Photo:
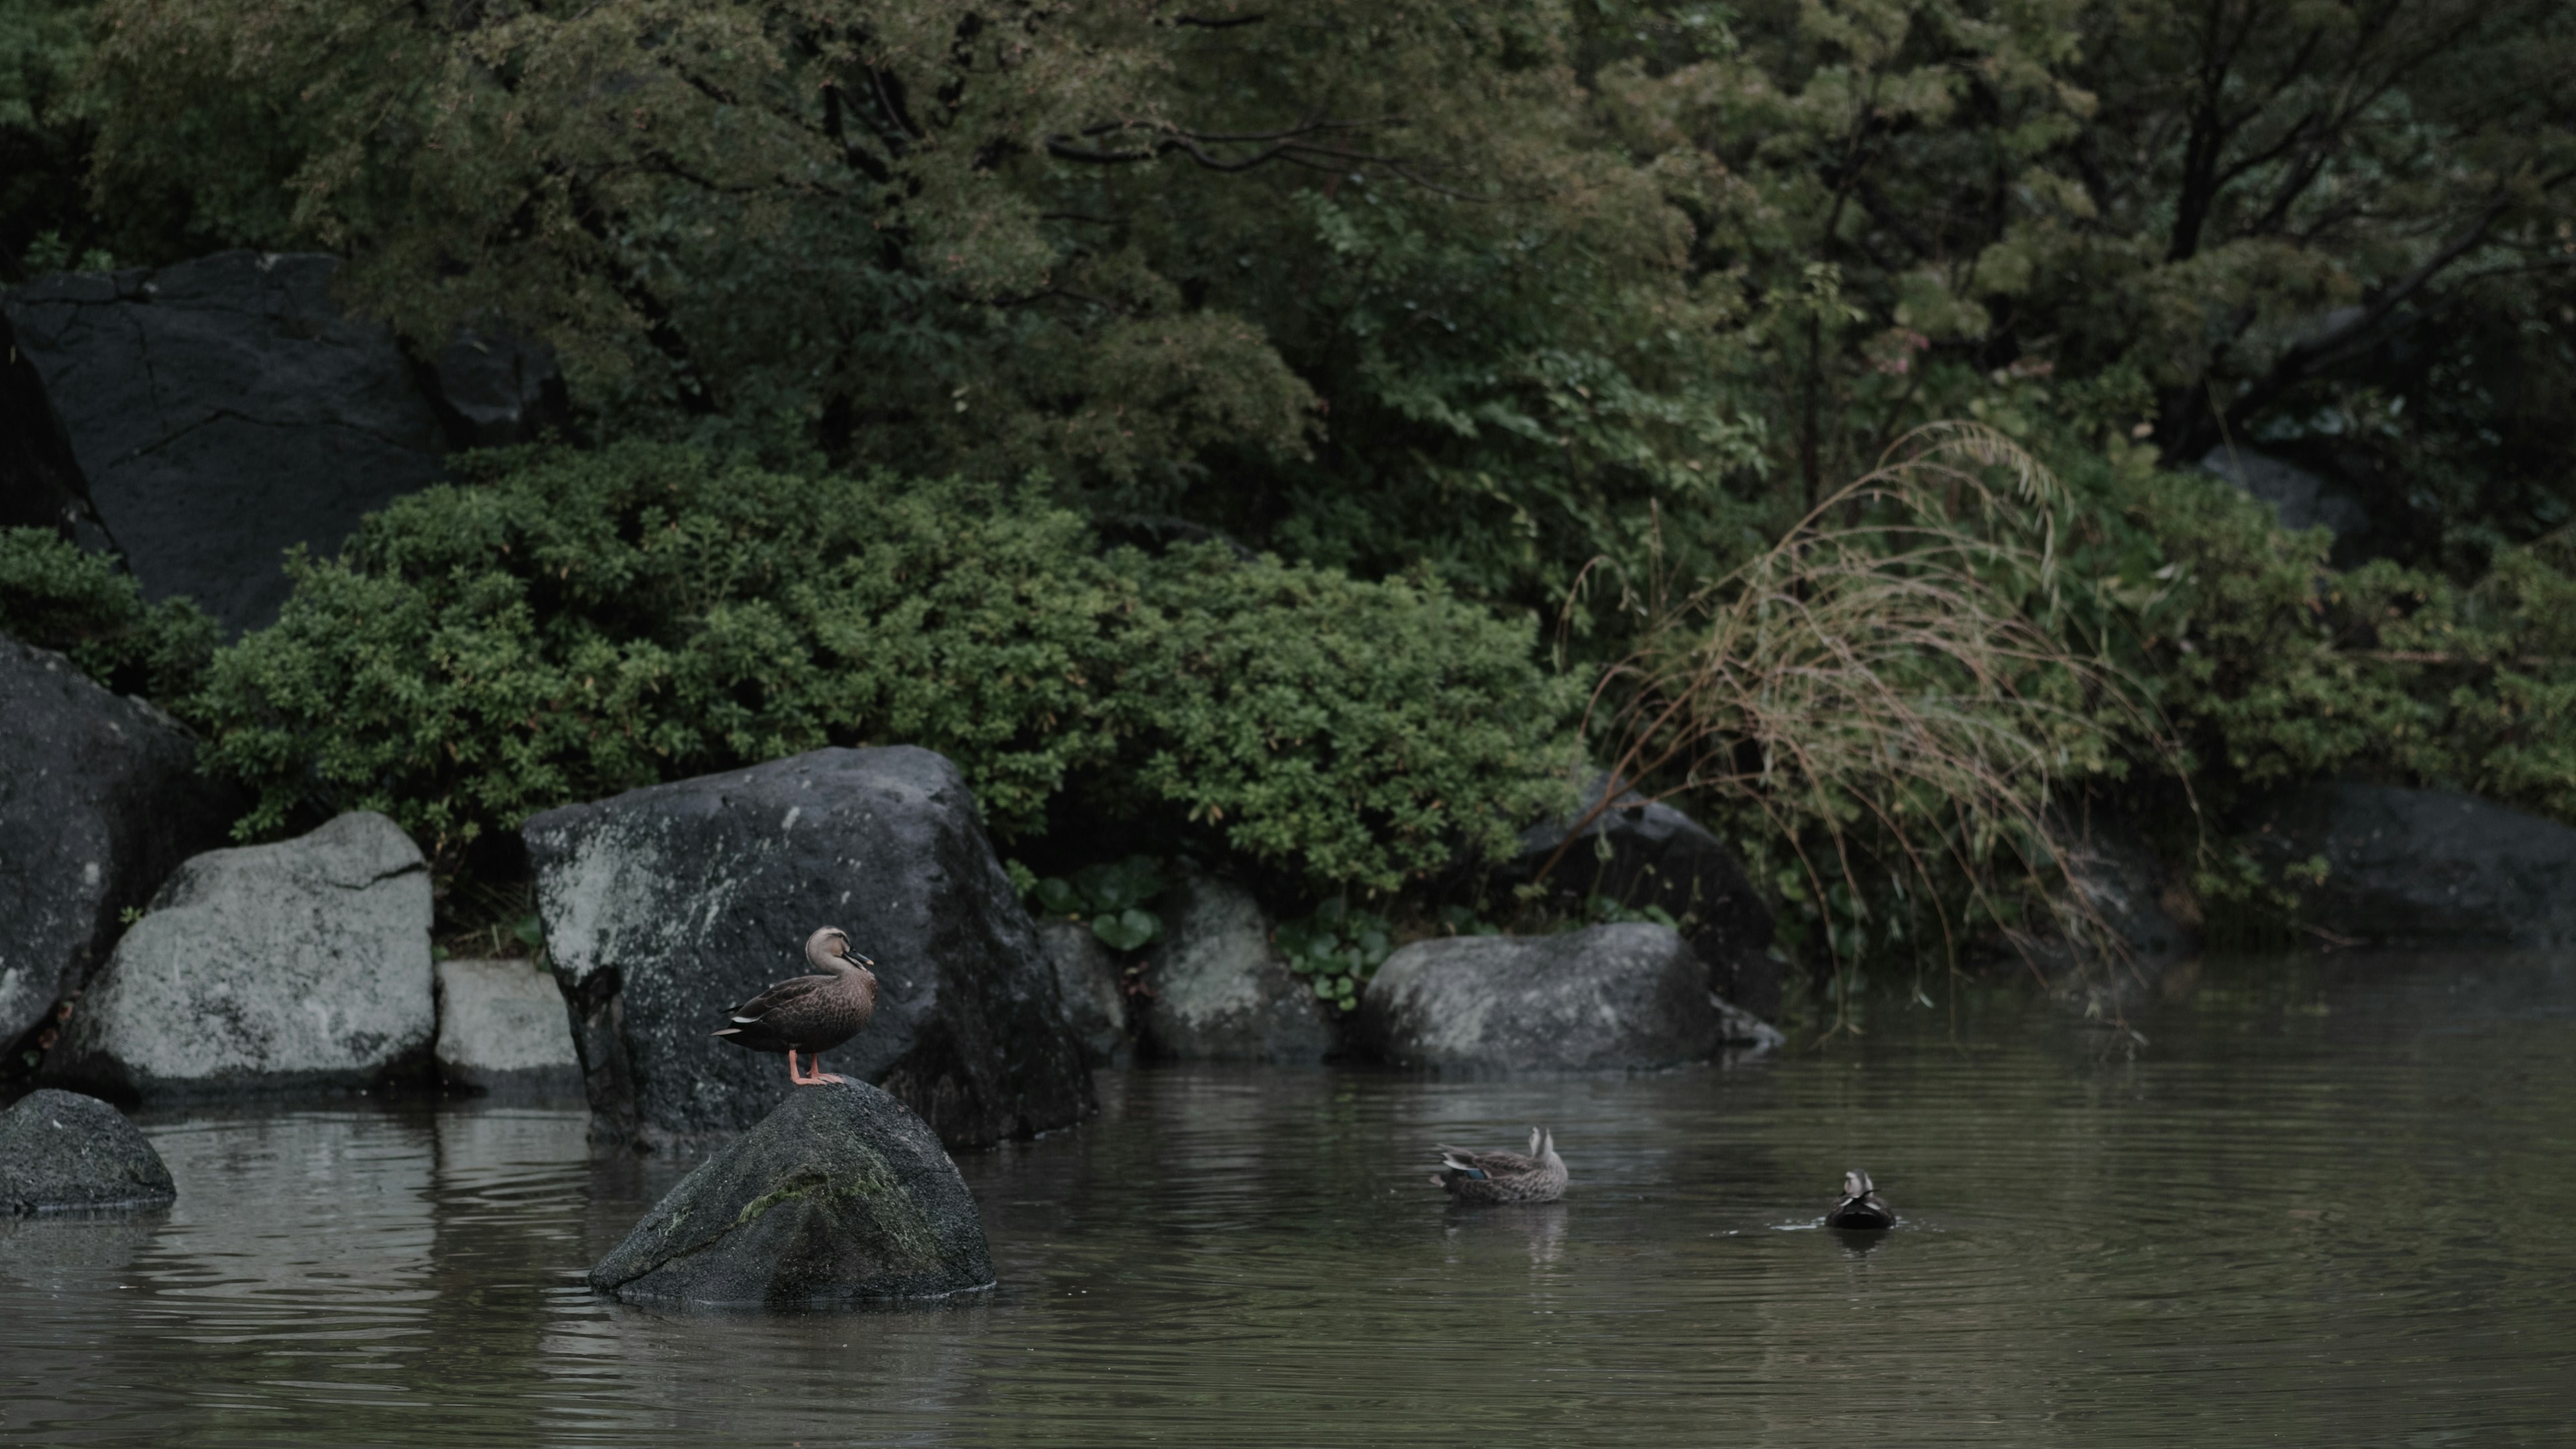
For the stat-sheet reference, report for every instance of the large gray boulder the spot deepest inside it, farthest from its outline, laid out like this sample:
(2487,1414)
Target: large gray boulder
(665,906)
(223,409)
(2432,866)
(300,966)
(99,802)
(838,1195)
(1642,854)
(1218,989)
(2302,497)
(502,1029)
(1093,986)
(63,1152)
(1630,997)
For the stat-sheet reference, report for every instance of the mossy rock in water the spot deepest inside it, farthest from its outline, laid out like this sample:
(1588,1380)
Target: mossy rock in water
(840,1195)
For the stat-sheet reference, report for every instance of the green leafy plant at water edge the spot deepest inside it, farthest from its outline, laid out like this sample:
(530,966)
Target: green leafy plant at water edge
(566,626)
(1337,949)
(1112,897)
(57,595)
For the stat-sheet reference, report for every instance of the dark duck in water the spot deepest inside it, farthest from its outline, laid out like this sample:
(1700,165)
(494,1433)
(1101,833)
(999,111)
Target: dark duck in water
(810,1014)
(1504,1176)
(1861,1206)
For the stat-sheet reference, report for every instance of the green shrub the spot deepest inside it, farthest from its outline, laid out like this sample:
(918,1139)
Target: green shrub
(2280,668)
(56,595)
(568,625)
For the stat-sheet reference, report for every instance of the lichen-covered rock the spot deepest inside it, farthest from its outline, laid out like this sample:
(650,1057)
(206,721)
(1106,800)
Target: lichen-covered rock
(1610,997)
(63,1152)
(665,906)
(1642,854)
(99,801)
(1219,989)
(1091,983)
(838,1195)
(223,409)
(2431,866)
(299,966)
(502,1028)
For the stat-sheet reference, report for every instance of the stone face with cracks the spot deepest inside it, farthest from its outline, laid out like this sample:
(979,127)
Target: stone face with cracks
(299,966)
(99,802)
(2431,866)
(223,409)
(63,1152)
(839,1195)
(665,906)
(1611,997)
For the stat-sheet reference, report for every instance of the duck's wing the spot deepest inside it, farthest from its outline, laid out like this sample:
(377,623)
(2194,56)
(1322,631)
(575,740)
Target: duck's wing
(1485,1164)
(785,993)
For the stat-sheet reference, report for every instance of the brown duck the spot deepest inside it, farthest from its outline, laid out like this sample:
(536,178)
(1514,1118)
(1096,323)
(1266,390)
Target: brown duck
(1504,1176)
(810,1014)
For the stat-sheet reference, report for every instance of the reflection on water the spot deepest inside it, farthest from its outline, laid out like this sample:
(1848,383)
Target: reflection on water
(2317,1205)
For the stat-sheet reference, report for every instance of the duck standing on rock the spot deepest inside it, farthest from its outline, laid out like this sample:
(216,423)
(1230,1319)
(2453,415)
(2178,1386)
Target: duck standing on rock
(811,1014)
(1494,1177)
(1861,1206)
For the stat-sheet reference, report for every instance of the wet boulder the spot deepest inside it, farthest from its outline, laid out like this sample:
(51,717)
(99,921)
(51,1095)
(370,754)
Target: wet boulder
(99,802)
(1640,854)
(223,409)
(667,905)
(838,1195)
(2434,866)
(1630,997)
(502,1029)
(296,967)
(63,1152)
(1093,986)
(1218,988)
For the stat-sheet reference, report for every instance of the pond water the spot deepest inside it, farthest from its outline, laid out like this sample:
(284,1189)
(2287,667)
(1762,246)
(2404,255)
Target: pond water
(2324,1201)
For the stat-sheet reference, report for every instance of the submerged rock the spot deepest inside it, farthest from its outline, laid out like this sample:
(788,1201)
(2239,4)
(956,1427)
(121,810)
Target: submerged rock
(837,1196)
(1624,996)
(299,966)
(502,1028)
(63,1152)
(664,906)
(1093,987)
(2432,866)
(1220,990)
(99,801)
(1639,855)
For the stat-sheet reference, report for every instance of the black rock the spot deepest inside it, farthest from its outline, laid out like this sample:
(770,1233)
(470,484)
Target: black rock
(667,905)
(99,802)
(1630,997)
(1220,991)
(1657,856)
(2432,866)
(494,389)
(840,1195)
(61,1151)
(40,478)
(223,409)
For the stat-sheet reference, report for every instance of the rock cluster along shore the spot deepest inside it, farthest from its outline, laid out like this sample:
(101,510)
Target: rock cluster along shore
(838,1195)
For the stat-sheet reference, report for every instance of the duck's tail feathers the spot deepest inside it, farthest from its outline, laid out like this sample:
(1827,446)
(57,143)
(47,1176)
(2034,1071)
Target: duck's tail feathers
(1454,1165)
(729,1030)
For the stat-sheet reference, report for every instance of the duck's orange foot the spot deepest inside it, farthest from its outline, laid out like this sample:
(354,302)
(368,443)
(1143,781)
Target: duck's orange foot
(831,1077)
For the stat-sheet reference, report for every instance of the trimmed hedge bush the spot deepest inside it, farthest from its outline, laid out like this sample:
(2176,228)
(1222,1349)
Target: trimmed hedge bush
(569,625)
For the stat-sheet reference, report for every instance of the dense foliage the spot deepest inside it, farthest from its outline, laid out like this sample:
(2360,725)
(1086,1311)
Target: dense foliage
(58,596)
(574,625)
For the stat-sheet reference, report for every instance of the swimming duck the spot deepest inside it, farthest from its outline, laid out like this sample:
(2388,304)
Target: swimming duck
(1861,1206)
(1504,1176)
(811,1014)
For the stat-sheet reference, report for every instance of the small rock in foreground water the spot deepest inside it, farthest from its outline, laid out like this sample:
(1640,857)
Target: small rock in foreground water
(61,1151)
(840,1195)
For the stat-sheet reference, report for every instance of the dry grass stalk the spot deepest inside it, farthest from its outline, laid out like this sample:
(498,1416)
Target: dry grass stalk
(1876,689)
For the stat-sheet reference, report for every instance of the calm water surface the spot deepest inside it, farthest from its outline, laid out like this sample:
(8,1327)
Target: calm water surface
(2325,1202)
